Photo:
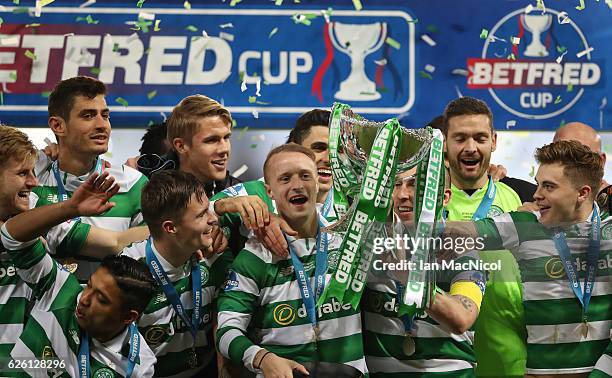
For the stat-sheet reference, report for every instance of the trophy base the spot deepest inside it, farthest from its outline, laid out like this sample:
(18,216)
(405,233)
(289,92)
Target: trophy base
(535,53)
(352,95)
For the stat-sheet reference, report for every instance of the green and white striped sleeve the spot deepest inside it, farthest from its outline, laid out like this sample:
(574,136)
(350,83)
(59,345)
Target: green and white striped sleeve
(237,303)
(507,230)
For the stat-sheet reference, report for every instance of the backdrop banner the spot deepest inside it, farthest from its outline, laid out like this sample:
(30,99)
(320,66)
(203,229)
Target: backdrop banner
(536,65)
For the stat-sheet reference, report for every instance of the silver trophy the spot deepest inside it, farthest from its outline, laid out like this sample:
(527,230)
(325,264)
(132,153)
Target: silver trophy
(536,25)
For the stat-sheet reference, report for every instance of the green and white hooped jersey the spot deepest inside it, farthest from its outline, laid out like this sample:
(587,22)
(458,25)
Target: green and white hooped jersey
(603,367)
(15,294)
(125,214)
(555,335)
(165,332)
(261,307)
(52,330)
(437,351)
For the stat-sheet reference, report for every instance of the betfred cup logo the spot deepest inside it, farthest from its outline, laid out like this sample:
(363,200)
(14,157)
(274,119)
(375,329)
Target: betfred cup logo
(357,41)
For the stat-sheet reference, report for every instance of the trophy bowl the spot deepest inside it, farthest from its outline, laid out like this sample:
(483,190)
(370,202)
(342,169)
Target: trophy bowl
(358,136)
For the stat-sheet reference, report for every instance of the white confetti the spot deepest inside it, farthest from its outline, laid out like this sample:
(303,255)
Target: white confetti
(204,34)
(559,59)
(460,72)
(516,40)
(37,9)
(255,114)
(243,85)
(428,40)
(258,86)
(563,18)
(381,62)
(87,3)
(132,38)
(240,171)
(10,41)
(510,124)
(228,25)
(528,9)
(459,94)
(585,52)
(146,16)
(163,115)
(604,102)
(493,38)
(325,16)
(429,68)
(226,36)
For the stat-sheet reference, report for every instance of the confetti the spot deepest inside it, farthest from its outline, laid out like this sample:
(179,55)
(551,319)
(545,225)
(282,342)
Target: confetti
(584,52)
(516,40)
(146,16)
(563,18)
(484,33)
(252,99)
(259,137)
(226,36)
(32,25)
(87,3)
(532,173)
(234,2)
(258,87)
(570,87)
(425,75)
(228,25)
(13,76)
(278,3)
(303,18)
(187,5)
(560,58)
(561,49)
(511,57)
(604,102)
(156,27)
(581,6)
(151,94)
(95,70)
(30,54)
(327,14)
(243,86)
(357,4)
(460,72)
(121,100)
(115,47)
(427,39)
(381,62)
(139,5)
(558,99)
(393,43)
(255,114)
(46,94)
(254,145)
(540,5)
(429,68)
(191,28)
(510,124)
(238,172)
(274,31)
(528,9)
(242,132)
(20,10)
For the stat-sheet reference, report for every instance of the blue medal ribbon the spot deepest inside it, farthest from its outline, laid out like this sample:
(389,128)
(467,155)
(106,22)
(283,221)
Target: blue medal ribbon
(308,297)
(487,201)
(327,205)
(406,319)
(166,285)
(62,195)
(84,353)
(592,253)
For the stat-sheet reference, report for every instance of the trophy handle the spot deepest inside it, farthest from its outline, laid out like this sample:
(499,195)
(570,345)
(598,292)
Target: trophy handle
(332,36)
(383,37)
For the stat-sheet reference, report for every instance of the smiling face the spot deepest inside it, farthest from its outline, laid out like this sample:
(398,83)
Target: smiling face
(469,145)
(291,180)
(193,230)
(87,130)
(557,197)
(403,195)
(207,154)
(16,181)
(316,141)
(100,308)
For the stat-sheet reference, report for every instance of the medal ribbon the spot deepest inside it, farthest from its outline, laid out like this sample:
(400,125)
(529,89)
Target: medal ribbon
(84,353)
(487,201)
(166,285)
(592,253)
(308,297)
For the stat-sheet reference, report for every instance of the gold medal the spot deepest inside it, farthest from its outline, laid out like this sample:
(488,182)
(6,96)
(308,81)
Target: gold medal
(408,345)
(585,329)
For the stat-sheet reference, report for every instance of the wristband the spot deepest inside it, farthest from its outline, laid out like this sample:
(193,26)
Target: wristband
(262,358)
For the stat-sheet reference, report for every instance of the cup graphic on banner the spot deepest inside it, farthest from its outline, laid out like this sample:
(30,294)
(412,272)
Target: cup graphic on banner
(536,25)
(357,41)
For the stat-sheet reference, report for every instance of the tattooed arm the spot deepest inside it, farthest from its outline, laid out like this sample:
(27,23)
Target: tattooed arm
(455,312)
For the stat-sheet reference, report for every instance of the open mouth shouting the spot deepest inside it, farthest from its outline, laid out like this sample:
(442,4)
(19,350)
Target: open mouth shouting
(325,175)
(298,200)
